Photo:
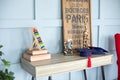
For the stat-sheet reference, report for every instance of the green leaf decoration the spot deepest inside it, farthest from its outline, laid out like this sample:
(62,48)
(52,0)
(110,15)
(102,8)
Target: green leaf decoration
(5,62)
(11,73)
(6,75)
(1,53)
(1,46)
(6,71)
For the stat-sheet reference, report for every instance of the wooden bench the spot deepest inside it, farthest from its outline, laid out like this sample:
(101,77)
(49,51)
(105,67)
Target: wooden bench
(61,64)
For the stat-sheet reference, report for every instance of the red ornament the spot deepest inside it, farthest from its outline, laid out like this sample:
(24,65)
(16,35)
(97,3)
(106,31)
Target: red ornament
(35,30)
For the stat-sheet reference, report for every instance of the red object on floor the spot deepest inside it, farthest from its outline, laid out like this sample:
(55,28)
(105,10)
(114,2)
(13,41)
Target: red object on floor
(117,44)
(89,62)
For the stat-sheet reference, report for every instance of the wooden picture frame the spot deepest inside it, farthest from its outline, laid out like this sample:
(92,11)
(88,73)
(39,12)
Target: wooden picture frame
(76,24)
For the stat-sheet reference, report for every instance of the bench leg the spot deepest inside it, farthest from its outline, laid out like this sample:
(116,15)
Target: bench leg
(85,74)
(33,78)
(103,72)
(50,78)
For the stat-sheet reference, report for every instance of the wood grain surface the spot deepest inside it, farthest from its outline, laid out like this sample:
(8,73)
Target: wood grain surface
(61,64)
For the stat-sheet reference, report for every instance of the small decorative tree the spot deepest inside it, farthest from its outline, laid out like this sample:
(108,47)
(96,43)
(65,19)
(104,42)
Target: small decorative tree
(5,74)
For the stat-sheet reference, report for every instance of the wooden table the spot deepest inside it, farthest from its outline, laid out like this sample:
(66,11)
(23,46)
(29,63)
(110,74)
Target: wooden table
(61,64)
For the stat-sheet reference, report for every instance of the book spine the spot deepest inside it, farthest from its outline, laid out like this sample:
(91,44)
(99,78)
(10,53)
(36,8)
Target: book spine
(37,52)
(36,57)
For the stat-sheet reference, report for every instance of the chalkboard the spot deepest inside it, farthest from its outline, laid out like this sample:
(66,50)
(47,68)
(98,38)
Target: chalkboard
(77,23)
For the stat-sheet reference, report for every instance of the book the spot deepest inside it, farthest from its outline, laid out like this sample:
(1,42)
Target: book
(36,57)
(36,52)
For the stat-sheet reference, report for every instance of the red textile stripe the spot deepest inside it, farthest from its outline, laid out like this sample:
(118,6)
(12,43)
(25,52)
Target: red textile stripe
(117,44)
(89,62)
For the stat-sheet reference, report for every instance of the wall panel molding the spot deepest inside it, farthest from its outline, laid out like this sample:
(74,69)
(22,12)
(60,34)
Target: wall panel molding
(50,23)
(16,9)
(106,37)
(30,23)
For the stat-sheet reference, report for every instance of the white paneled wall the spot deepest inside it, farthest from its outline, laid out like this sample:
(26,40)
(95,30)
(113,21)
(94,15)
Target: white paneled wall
(110,9)
(17,16)
(16,9)
(48,9)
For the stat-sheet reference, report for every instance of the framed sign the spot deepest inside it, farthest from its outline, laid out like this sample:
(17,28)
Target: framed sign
(76,24)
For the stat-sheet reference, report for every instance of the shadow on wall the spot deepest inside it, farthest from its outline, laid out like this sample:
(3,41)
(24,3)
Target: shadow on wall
(111,43)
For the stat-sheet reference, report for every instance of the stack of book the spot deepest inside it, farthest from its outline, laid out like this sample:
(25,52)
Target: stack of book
(36,55)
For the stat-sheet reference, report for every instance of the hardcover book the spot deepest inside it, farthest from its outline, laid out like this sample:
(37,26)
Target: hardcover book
(36,57)
(36,51)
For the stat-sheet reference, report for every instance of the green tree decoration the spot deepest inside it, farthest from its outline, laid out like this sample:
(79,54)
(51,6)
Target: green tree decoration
(5,74)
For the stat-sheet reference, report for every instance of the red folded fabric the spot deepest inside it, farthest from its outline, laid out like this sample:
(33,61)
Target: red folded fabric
(117,44)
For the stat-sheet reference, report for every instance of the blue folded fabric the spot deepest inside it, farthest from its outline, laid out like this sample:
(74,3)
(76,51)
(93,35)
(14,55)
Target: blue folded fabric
(98,50)
(85,52)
